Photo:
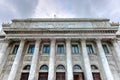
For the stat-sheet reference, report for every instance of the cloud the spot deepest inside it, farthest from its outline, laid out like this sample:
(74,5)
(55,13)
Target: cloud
(79,8)
(10,9)
(49,8)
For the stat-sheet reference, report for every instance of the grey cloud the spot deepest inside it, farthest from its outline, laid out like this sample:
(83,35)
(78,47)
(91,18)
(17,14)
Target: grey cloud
(10,9)
(24,7)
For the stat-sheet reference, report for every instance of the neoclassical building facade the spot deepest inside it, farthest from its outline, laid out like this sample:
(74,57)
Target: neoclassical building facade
(59,49)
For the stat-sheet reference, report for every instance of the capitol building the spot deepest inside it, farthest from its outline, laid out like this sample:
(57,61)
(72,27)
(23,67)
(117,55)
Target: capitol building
(60,49)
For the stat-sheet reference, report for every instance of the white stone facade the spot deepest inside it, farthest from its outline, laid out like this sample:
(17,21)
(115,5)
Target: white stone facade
(91,44)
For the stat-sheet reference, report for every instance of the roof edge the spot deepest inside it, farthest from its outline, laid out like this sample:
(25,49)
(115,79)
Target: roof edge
(58,19)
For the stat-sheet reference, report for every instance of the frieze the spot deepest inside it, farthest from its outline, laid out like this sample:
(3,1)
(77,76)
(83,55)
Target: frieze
(60,25)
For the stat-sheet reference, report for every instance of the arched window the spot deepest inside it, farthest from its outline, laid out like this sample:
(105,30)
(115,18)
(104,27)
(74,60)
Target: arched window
(94,67)
(44,67)
(60,67)
(76,67)
(27,67)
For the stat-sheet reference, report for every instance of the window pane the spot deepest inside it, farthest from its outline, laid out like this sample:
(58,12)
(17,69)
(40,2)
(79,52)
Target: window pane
(46,49)
(75,49)
(27,67)
(105,48)
(60,67)
(15,49)
(44,67)
(89,48)
(31,49)
(76,67)
(60,49)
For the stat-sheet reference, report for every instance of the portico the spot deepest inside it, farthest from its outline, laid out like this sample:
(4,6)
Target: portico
(59,53)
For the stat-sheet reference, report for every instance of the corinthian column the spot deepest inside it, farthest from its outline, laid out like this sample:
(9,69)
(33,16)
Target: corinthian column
(34,65)
(3,54)
(69,60)
(51,71)
(16,62)
(87,67)
(103,59)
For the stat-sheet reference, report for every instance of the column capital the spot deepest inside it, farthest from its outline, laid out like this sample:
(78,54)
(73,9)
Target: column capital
(22,40)
(68,39)
(83,39)
(38,40)
(98,39)
(53,39)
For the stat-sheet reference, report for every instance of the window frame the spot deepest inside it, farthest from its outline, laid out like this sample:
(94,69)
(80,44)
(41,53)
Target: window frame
(93,48)
(40,70)
(57,48)
(14,47)
(96,69)
(107,48)
(60,66)
(43,48)
(28,48)
(43,66)
(78,45)
(26,66)
(77,70)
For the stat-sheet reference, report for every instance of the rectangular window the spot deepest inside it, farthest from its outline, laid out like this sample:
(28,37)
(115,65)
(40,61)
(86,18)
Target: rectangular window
(60,49)
(15,49)
(105,48)
(46,48)
(75,49)
(89,49)
(31,49)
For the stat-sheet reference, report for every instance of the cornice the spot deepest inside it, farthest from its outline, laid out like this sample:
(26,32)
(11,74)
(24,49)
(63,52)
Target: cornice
(59,19)
(59,36)
(88,31)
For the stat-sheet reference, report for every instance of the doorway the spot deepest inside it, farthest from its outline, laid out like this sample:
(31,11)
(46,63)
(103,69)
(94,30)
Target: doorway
(96,76)
(24,76)
(60,76)
(78,76)
(43,76)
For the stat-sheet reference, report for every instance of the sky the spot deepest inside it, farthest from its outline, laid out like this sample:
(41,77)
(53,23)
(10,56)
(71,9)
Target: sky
(12,9)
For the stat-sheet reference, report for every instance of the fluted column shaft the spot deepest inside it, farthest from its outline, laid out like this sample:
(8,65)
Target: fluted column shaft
(117,48)
(104,61)
(51,71)
(69,60)
(87,67)
(34,64)
(16,62)
(3,54)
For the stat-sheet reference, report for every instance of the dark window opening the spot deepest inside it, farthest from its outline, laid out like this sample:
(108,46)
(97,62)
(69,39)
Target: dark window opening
(60,49)
(89,49)
(31,49)
(46,49)
(75,49)
(15,49)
